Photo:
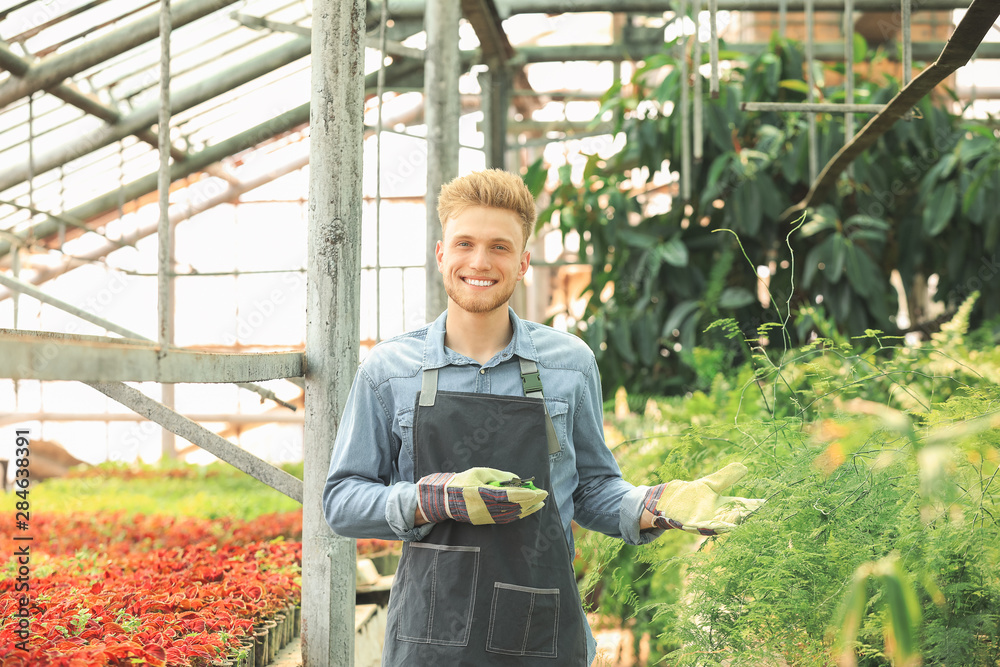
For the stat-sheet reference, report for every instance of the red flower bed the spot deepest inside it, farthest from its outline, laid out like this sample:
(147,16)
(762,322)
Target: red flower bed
(163,590)
(121,533)
(177,606)
(116,589)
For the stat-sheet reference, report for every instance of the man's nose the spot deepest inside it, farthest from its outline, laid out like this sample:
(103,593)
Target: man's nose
(480,258)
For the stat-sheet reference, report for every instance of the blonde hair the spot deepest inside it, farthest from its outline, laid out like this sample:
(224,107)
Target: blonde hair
(493,188)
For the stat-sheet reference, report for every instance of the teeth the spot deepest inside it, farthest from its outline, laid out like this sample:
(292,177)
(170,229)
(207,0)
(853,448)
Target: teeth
(479,283)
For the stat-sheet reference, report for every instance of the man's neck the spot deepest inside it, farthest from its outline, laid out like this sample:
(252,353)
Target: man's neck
(479,336)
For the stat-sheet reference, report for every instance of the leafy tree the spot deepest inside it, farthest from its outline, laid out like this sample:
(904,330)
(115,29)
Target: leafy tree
(925,200)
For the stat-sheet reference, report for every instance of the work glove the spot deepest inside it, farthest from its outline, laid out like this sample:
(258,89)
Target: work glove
(479,496)
(697,507)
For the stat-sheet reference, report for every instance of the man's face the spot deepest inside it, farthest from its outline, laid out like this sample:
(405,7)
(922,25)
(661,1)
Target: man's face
(481,259)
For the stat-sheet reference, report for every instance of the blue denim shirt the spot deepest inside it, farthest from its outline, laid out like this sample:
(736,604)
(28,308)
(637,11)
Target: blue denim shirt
(370,490)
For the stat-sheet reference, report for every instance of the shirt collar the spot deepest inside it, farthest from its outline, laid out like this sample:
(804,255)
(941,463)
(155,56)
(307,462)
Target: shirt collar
(435,355)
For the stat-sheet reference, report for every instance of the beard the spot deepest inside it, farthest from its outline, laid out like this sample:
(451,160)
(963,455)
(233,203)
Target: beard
(471,302)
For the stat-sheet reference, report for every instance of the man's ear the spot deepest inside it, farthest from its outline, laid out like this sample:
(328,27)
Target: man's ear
(525,262)
(439,254)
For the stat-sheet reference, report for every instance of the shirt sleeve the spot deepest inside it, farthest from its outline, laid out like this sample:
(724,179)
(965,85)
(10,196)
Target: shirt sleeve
(363,497)
(603,501)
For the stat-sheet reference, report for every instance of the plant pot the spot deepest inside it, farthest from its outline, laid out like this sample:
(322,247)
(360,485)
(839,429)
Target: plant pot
(279,618)
(290,621)
(260,640)
(249,646)
(272,640)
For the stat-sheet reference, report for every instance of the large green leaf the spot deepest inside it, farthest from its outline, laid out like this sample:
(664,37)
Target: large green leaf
(863,274)
(791,168)
(811,265)
(678,316)
(797,85)
(636,238)
(838,257)
(667,90)
(535,176)
(860,48)
(621,336)
(940,208)
(772,200)
(673,252)
(823,219)
(719,125)
(736,297)
(867,228)
(647,338)
(747,213)
(904,609)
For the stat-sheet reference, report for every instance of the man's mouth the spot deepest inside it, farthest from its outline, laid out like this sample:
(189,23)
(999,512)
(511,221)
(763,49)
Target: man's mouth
(479,283)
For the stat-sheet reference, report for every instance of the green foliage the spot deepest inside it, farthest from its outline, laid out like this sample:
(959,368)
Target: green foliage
(213,491)
(879,540)
(925,200)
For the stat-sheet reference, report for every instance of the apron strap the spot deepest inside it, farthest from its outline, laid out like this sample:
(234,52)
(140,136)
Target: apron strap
(530,380)
(532,389)
(532,384)
(428,387)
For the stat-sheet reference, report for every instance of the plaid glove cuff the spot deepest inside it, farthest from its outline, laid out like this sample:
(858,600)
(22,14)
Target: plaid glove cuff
(433,497)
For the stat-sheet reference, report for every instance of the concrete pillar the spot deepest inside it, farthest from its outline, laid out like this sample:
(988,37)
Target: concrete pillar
(332,316)
(442,109)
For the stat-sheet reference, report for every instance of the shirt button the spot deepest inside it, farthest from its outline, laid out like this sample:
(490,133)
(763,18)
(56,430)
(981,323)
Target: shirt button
(482,371)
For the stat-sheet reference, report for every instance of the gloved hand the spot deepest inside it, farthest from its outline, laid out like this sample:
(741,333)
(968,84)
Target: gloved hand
(469,497)
(697,507)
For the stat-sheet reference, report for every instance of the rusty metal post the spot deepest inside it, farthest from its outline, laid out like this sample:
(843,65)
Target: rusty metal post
(441,110)
(333,309)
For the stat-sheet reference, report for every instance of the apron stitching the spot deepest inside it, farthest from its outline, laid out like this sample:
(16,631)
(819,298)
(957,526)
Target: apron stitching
(430,614)
(527,628)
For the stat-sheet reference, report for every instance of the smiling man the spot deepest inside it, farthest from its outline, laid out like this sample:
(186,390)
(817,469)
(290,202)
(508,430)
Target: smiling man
(477,440)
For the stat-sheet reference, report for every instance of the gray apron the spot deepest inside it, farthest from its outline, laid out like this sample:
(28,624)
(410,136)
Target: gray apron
(486,595)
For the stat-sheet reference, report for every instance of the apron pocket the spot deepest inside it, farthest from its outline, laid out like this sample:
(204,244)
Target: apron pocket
(438,591)
(524,621)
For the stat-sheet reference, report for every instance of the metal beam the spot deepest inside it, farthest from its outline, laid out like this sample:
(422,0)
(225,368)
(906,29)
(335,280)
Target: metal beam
(196,434)
(814,107)
(485,20)
(41,355)
(32,291)
(147,184)
(496,103)
(333,307)
(86,103)
(496,51)
(177,214)
(242,419)
(963,44)
(146,116)
(258,23)
(441,111)
(829,51)
(410,9)
(57,68)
